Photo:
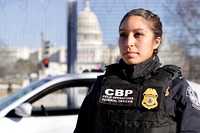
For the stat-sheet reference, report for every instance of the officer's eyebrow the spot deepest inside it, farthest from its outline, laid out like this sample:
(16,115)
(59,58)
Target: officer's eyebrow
(138,29)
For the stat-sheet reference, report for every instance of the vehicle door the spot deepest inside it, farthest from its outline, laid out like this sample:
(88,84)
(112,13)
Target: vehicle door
(54,110)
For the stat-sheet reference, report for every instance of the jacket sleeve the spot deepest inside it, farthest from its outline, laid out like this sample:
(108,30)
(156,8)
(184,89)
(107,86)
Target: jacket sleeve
(188,109)
(87,111)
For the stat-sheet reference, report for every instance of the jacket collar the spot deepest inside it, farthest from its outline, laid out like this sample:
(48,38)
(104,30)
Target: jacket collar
(141,69)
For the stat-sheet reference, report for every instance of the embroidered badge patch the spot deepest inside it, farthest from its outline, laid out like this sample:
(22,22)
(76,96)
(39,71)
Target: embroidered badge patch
(150,98)
(193,97)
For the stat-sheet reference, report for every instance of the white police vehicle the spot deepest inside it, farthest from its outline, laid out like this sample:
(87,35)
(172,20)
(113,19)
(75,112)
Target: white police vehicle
(46,106)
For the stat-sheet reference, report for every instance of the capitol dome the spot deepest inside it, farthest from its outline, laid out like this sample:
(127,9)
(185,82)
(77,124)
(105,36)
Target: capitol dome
(89,31)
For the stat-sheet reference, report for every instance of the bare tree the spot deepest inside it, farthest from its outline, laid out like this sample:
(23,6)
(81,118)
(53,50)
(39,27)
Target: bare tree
(189,14)
(24,67)
(3,59)
(183,18)
(10,68)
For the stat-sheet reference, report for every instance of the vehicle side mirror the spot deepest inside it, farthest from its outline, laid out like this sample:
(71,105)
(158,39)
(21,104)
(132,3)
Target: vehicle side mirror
(24,110)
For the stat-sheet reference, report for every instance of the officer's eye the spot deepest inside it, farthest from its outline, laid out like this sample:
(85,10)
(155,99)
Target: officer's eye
(137,34)
(123,35)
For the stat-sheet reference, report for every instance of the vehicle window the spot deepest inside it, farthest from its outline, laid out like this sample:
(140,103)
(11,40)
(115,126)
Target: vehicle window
(12,98)
(57,102)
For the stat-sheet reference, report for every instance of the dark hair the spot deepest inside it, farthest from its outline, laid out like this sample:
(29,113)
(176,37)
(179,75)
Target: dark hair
(156,24)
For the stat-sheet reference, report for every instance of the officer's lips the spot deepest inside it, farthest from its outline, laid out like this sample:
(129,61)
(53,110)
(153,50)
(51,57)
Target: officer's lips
(130,53)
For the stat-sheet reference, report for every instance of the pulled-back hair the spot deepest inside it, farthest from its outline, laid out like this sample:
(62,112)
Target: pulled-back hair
(155,23)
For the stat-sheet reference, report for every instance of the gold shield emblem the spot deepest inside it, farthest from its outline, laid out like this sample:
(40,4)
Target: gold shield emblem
(150,98)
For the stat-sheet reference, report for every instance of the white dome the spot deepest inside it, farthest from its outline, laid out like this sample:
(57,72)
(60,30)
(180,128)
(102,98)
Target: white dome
(89,31)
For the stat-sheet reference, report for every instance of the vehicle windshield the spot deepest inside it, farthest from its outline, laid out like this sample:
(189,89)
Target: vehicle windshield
(13,97)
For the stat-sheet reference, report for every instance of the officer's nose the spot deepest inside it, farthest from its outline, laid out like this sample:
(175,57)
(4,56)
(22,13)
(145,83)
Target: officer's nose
(130,40)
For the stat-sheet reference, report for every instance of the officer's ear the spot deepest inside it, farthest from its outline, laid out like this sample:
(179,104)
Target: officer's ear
(157,42)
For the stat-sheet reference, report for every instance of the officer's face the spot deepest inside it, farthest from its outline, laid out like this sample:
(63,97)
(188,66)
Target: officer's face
(136,40)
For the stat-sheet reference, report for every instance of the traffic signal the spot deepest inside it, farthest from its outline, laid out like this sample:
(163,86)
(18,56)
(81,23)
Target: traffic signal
(46,62)
(46,48)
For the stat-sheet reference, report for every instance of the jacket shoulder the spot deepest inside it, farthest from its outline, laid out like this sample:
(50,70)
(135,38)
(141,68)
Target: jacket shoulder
(172,70)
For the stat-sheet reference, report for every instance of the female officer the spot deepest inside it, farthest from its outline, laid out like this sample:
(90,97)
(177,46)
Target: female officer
(138,95)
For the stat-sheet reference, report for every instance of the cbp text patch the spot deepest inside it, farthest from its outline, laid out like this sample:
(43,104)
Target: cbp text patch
(116,96)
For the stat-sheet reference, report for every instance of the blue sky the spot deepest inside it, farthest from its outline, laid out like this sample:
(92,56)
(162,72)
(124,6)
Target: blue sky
(22,21)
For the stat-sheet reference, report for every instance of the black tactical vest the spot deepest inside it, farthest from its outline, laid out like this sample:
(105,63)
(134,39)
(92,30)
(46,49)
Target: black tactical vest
(124,107)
